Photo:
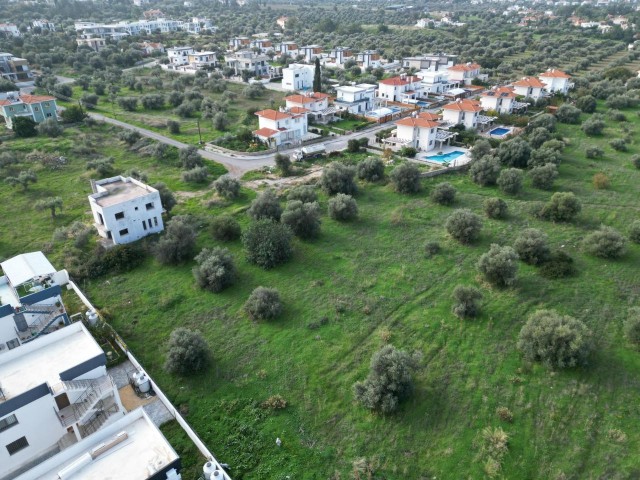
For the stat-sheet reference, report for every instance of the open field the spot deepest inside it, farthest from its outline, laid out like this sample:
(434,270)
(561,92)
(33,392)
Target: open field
(368,282)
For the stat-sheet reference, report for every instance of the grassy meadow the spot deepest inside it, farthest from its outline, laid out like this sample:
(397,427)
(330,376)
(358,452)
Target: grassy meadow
(367,283)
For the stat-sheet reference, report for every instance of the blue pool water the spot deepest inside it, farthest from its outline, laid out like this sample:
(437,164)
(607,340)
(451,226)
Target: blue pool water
(395,109)
(447,157)
(499,131)
(422,104)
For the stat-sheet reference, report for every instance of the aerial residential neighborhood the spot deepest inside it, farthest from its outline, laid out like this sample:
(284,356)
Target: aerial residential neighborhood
(366,240)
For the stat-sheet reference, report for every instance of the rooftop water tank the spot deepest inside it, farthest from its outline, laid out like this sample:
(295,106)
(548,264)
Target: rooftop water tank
(92,317)
(142,381)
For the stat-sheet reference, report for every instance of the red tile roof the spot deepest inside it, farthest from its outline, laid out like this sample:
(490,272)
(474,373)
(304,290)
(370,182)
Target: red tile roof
(529,82)
(464,106)
(273,114)
(417,122)
(429,116)
(504,92)
(298,110)
(29,99)
(265,132)
(303,99)
(399,81)
(553,73)
(464,67)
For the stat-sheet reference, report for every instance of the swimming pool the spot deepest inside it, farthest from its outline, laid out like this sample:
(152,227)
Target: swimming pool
(423,104)
(445,157)
(500,131)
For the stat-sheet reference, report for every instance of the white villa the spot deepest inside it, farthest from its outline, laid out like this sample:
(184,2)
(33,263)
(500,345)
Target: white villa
(369,58)
(356,99)
(262,44)
(400,89)
(289,48)
(463,112)
(556,81)
(179,56)
(529,87)
(338,56)
(281,128)
(125,209)
(298,76)
(316,105)
(436,82)
(464,73)
(500,99)
(311,52)
(429,62)
(256,63)
(239,43)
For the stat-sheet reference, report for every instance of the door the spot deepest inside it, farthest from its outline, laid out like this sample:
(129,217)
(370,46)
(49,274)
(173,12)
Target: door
(62,401)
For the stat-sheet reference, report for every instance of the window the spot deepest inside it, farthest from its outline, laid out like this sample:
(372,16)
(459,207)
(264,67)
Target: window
(15,447)
(144,224)
(48,114)
(8,422)
(119,215)
(37,109)
(149,206)
(124,231)
(155,221)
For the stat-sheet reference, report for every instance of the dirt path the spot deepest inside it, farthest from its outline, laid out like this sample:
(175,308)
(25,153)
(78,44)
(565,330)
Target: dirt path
(280,183)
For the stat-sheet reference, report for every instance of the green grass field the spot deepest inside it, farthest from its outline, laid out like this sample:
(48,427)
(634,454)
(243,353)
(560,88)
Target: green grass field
(370,282)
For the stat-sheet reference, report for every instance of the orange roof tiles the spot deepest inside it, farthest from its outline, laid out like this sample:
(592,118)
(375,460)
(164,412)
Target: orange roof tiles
(429,116)
(464,106)
(464,67)
(272,114)
(303,99)
(553,73)
(399,81)
(29,99)
(417,122)
(298,110)
(529,82)
(265,132)
(500,92)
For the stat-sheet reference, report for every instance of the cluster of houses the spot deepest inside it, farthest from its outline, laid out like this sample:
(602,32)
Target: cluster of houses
(14,68)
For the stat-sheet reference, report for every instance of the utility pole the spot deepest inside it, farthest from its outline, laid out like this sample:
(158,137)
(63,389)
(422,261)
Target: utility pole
(199,134)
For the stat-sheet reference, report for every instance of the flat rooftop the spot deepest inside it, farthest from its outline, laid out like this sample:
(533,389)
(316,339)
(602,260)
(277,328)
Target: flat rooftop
(118,191)
(43,359)
(136,454)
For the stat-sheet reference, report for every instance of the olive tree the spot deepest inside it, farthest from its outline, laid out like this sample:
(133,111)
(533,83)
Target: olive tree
(443,194)
(485,170)
(187,352)
(263,304)
(562,207)
(466,301)
(532,246)
(464,225)
(510,180)
(177,243)
(266,205)
(215,269)
(267,243)
(304,193)
(228,187)
(343,207)
(606,243)
(371,169)
(499,265)
(302,218)
(225,228)
(544,176)
(338,178)
(495,208)
(405,178)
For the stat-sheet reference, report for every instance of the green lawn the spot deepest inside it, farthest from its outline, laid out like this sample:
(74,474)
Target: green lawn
(369,282)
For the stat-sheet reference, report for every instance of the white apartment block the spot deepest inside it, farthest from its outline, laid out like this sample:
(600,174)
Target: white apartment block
(556,81)
(123,29)
(44,25)
(125,209)
(281,128)
(464,73)
(255,63)
(429,62)
(289,48)
(356,99)
(54,392)
(311,52)
(400,89)
(94,43)
(30,300)
(9,30)
(298,76)
(179,56)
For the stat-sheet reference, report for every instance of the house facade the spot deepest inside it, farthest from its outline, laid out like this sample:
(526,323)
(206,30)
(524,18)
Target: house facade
(556,81)
(179,55)
(400,89)
(462,112)
(37,107)
(94,43)
(289,48)
(338,56)
(529,87)
(419,133)
(255,63)
(125,209)
(9,30)
(436,82)
(499,99)
(311,52)
(262,45)
(298,76)
(316,105)
(239,43)
(200,60)
(355,99)
(464,73)
(281,128)
(369,59)
(429,62)
(13,68)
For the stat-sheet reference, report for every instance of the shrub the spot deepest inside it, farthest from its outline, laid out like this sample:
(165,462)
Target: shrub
(514,153)
(567,113)
(267,243)
(167,198)
(634,232)
(601,181)
(464,225)
(499,265)
(173,126)
(618,144)
(24,127)
(605,243)
(274,402)
(389,381)
(543,156)
(371,169)
(563,207)
(593,126)
(504,414)
(152,101)
(538,136)
(408,152)
(431,248)
(635,160)
(227,187)
(225,228)
(343,207)
(510,180)
(190,158)
(546,121)
(263,304)
(443,194)
(177,243)
(353,146)
(466,301)
(338,178)
(405,178)
(266,205)
(532,246)
(187,352)
(485,171)
(482,148)
(196,175)
(128,103)
(616,115)
(593,151)
(23,179)
(543,177)
(50,127)
(560,265)
(587,104)
(72,114)
(215,269)
(304,193)
(302,218)
(495,208)
(554,340)
(283,162)
(632,326)
(553,144)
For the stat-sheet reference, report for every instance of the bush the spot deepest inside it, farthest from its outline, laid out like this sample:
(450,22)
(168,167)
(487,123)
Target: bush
(605,243)
(532,246)
(563,207)
(443,194)
(464,225)
(343,208)
(510,180)
(227,187)
(102,166)
(406,178)
(302,218)
(546,121)
(499,265)
(466,301)
(593,151)
(152,101)
(632,326)
(129,136)
(616,115)
(618,144)
(554,340)
(560,265)
(225,228)
(634,232)
(593,126)
(635,160)
(431,248)
(389,380)
(117,259)
(190,158)
(538,136)
(167,198)
(267,243)
(128,103)
(495,208)
(50,127)
(304,193)
(266,205)
(338,178)
(601,181)
(187,352)
(24,127)
(353,146)
(485,171)
(567,113)
(371,169)
(543,156)
(543,177)
(196,175)
(283,163)
(274,402)
(263,304)
(215,269)
(587,104)
(177,243)
(514,153)
(173,126)
(408,152)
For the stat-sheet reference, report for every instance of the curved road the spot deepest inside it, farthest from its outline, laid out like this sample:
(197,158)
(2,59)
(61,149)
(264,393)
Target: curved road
(238,164)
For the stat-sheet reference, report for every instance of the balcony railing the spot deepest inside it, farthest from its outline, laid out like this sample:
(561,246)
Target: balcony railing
(90,398)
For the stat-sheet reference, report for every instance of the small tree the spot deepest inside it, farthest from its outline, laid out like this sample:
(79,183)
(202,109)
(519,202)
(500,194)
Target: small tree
(173,126)
(563,207)
(390,380)
(283,163)
(73,114)
(466,301)
(405,178)
(227,187)
(353,146)
(568,114)
(632,326)
(618,144)
(178,242)
(593,126)
(443,194)
(510,180)
(23,179)
(371,169)
(587,104)
(190,158)
(225,228)
(317,77)
(634,232)
(187,352)
(167,198)
(304,193)
(482,148)
(485,171)
(605,243)
(343,207)
(24,127)
(196,175)
(51,128)
(302,218)
(338,178)
(554,340)
(495,208)
(532,246)
(593,151)
(263,304)
(215,269)
(267,243)
(543,177)
(499,265)
(464,225)
(128,103)
(266,205)
(152,101)
(543,156)
(51,203)
(514,153)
